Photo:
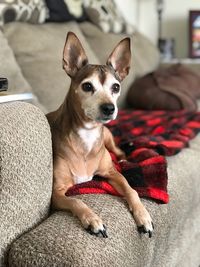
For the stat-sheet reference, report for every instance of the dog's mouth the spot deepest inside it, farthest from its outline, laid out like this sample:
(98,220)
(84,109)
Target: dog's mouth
(107,112)
(100,116)
(105,119)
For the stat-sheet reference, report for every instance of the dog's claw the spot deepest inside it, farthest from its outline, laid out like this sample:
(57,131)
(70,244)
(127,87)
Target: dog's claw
(100,232)
(150,233)
(142,230)
(104,234)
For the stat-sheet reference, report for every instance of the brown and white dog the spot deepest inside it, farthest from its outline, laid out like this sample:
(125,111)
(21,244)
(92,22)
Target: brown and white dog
(81,142)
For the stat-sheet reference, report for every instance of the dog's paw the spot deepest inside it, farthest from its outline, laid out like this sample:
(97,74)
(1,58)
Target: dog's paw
(94,225)
(143,221)
(98,232)
(146,230)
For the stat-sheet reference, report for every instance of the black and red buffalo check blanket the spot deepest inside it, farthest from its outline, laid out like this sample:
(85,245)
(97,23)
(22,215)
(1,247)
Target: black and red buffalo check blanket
(147,137)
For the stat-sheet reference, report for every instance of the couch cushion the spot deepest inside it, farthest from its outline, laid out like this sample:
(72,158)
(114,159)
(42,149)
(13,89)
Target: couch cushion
(25,170)
(10,69)
(61,241)
(145,56)
(38,50)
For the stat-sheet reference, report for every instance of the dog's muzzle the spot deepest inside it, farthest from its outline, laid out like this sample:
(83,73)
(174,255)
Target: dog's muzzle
(107,109)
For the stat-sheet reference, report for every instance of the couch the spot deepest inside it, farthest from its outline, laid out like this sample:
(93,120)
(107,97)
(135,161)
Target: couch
(31,234)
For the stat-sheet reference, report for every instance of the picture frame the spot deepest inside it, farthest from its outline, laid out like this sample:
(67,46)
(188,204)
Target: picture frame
(194,33)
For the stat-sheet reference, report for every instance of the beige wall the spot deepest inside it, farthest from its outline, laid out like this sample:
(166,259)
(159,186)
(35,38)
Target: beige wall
(175,19)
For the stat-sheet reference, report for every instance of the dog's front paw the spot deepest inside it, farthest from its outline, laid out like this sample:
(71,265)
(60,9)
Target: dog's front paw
(143,220)
(94,225)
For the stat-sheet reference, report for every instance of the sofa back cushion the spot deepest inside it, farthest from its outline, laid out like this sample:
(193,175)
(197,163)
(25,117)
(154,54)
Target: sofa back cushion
(10,69)
(38,50)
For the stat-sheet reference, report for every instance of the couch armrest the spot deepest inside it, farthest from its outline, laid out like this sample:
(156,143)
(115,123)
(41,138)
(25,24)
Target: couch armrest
(25,170)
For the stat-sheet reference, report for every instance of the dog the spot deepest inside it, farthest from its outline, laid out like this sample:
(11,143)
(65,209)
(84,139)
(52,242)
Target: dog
(81,142)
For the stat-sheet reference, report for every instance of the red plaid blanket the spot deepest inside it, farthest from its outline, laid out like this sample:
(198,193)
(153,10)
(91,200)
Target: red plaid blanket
(146,137)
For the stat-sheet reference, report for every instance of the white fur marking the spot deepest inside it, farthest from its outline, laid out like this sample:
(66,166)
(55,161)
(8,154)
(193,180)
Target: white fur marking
(91,103)
(89,136)
(82,179)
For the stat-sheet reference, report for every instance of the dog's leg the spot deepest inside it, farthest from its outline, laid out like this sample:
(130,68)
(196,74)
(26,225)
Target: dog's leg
(111,146)
(60,201)
(88,218)
(118,181)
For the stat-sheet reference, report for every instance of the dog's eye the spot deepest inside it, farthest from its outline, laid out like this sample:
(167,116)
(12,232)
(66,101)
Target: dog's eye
(87,87)
(115,88)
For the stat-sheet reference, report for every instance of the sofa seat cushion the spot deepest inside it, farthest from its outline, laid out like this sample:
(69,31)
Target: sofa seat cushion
(61,240)
(38,50)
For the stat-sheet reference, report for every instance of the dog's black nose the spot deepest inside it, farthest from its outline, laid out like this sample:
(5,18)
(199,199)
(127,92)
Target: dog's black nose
(107,109)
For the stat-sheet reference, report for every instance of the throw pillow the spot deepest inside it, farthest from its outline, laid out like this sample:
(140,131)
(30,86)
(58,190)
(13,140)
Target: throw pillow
(33,11)
(173,88)
(107,16)
(65,10)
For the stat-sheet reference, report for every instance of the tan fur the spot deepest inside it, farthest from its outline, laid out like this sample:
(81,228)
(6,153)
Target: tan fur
(73,159)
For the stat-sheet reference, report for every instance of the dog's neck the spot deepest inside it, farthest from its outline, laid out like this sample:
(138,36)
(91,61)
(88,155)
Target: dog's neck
(90,135)
(73,124)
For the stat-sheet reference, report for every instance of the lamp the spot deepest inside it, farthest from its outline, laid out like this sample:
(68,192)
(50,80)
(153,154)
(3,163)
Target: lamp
(166,46)
(160,7)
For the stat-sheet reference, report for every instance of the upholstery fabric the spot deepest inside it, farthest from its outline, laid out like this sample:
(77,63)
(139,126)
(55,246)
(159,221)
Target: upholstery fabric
(10,69)
(41,62)
(61,241)
(25,171)
(33,11)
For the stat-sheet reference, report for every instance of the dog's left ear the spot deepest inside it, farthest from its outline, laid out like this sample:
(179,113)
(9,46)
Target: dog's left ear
(120,58)
(74,56)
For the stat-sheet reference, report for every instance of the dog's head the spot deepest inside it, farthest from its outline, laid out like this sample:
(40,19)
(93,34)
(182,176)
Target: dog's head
(97,87)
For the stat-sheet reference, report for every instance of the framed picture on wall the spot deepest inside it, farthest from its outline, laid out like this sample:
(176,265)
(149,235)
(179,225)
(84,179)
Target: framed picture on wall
(194,34)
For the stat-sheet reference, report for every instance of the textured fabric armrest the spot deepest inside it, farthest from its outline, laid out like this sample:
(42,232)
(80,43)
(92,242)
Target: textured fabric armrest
(25,171)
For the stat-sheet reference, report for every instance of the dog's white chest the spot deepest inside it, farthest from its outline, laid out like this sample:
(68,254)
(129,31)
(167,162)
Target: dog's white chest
(82,179)
(89,137)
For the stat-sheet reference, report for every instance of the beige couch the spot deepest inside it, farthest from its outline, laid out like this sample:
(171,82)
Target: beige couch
(30,236)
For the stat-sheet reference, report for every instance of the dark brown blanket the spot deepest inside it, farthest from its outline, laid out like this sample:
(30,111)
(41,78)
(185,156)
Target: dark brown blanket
(173,88)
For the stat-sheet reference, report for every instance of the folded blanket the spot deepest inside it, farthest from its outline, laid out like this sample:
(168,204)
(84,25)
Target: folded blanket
(146,137)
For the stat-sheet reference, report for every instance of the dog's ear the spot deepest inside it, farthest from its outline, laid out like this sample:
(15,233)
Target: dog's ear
(74,57)
(120,58)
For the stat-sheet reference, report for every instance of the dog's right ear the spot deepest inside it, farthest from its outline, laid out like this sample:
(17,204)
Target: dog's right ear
(74,56)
